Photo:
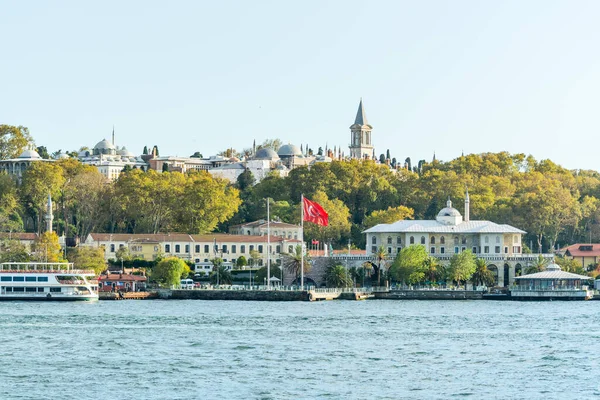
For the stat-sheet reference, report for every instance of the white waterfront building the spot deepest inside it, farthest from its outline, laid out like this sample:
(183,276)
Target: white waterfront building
(499,244)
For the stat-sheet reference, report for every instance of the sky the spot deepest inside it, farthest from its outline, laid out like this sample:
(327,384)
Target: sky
(435,76)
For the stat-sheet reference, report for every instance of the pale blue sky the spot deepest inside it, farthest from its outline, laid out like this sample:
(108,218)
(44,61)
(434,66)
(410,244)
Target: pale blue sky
(443,76)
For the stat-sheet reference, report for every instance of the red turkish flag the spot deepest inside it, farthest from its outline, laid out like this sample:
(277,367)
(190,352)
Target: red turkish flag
(313,212)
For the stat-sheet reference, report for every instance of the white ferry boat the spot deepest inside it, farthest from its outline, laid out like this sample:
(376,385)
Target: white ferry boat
(45,281)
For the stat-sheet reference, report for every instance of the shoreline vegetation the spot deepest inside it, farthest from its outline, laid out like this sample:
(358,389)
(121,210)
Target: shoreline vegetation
(555,206)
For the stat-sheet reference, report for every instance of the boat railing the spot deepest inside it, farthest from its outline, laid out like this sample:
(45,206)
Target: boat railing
(48,268)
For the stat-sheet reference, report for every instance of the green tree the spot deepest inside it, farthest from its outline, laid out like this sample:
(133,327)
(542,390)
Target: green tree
(261,274)
(10,220)
(197,154)
(220,275)
(462,266)
(39,180)
(434,271)
(241,262)
(482,275)
(339,220)
(392,214)
(538,265)
(245,180)
(165,167)
(43,152)
(410,266)
(380,262)
(47,249)
(336,276)
(13,251)
(169,271)
(254,257)
(87,258)
(292,262)
(13,141)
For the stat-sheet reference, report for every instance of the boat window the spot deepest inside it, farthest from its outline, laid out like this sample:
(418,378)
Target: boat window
(40,289)
(6,279)
(31,289)
(42,279)
(55,290)
(8,289)
(18,289)
(30,279)
(18,279)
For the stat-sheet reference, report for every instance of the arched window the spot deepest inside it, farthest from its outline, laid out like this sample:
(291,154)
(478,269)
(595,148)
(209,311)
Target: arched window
(433,240)
(412,240)
(398,240)
(487,239)
(389,240)
(374,240)
(463,240)
(455,240)
(497,239)
(422,239)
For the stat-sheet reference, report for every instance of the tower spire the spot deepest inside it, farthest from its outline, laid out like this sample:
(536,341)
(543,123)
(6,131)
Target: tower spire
(361,117)
(113,135)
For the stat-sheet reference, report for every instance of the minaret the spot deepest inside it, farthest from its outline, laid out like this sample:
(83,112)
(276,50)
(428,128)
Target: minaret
(361,146)
(467,206)
(113,136)
(49,216)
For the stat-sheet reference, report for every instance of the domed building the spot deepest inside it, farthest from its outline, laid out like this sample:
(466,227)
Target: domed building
(111,160)
(266,154)
(17,166)
(499,244)
(291,156)
(104,147)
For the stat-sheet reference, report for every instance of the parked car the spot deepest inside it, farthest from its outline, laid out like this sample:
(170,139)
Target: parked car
(187,284)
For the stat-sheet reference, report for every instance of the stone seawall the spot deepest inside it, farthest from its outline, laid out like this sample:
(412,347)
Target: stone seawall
(248,295)
(429,295)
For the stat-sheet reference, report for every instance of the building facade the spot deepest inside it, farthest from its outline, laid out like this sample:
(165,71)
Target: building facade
(499,244)
(259,228)
(194,248)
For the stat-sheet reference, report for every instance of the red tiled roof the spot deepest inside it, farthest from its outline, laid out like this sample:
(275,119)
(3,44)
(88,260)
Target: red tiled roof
(583,250)
(184,237)
(18,235)
(321,253)
(122,277)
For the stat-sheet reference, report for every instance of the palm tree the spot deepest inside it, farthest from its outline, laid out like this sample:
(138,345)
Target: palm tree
(433,269)
(482,276)
(292,261)
(538,265)
(380,256)
(336,276)
(221,276)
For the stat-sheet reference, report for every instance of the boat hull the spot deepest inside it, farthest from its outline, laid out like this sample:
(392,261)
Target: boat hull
(49,298)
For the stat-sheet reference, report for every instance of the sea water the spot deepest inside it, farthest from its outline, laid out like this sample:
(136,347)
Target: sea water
(373,349)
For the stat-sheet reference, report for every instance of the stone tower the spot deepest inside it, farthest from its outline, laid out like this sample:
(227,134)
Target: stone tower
(361,146)
(49,215)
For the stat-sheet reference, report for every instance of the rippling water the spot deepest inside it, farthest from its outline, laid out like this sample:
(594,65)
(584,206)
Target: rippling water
(268,350)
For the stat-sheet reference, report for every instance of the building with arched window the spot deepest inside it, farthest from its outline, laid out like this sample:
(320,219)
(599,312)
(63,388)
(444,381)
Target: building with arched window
(499,244)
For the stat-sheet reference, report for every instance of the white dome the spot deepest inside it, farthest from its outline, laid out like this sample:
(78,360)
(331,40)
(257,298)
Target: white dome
(288,150)
(61,156)
(125,152)
(449,211)
(104,144)
(31,154)
(266,154)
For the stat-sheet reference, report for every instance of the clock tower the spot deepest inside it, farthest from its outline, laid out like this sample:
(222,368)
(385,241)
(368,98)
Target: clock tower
(361,146)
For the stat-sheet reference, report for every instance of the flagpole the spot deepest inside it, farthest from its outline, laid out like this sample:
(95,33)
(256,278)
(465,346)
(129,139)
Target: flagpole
(268,247)
(302,241)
